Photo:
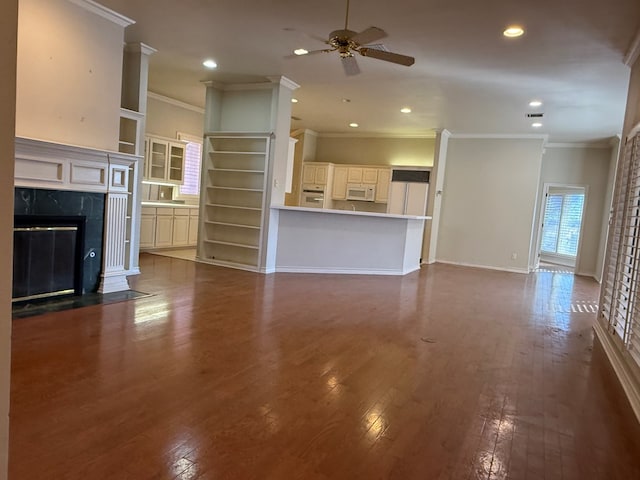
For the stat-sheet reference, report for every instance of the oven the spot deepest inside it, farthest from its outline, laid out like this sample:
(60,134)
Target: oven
(312,196)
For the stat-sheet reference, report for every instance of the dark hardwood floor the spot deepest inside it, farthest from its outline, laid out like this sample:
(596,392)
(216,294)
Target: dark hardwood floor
(447,373)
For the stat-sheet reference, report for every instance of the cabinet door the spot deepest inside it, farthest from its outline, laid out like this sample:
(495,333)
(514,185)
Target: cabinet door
(382,186)
(158,162)
(176,163)
(147,231)
(354,175)
(397,198)
(339,191)
(321,175)
(180,230)
(193,230)
(370,175)
(145,166)
(308,174)
(164,231)
(416,198)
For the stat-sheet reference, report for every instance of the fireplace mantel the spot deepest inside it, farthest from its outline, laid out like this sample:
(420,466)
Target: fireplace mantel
(55,166)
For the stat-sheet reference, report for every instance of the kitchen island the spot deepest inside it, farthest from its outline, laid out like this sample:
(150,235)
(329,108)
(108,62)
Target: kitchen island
(315,240)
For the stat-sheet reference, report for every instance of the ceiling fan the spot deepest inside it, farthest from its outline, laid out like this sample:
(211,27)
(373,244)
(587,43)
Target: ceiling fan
(347,42)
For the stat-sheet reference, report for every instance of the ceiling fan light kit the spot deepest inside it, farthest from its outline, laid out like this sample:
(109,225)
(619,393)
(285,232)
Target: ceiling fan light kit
(347,42)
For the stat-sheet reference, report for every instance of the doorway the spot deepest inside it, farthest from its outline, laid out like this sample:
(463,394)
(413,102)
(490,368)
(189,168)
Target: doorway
(561,225)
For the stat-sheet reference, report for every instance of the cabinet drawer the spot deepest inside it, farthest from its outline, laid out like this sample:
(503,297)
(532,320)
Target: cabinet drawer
(164,211)
(148,211)
(194,212)
(181,212)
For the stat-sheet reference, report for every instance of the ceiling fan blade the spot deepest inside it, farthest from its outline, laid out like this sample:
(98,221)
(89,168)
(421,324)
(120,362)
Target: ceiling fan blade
(387,56)
(350,65)
(312,52)
(369,35)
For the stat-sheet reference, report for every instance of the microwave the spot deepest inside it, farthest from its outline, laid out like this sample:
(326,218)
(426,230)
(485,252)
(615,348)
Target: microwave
(365,193)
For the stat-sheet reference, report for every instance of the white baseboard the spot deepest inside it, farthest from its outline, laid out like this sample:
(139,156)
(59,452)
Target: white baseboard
(628,380)
(487,267)
(342,271)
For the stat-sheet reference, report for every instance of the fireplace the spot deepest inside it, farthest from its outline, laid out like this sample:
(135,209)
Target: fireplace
(32,206)
(47,256)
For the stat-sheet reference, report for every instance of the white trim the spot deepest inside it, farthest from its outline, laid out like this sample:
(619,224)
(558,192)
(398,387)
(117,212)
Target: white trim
(284,81)
(104,12)
(139,47)
(634,51)
(376,135)
(174,102)
(633,132)
(627,379)
(503,136)
(578,145)
(487,267)
(188,137)
(343,271)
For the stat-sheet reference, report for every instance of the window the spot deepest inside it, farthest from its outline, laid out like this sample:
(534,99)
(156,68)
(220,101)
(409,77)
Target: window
(561,224)
(192,165)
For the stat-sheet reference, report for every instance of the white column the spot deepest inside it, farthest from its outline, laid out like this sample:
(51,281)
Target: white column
(436,184)
(115,238)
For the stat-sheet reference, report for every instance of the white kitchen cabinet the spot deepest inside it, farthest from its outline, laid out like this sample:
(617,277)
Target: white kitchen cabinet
(164,160)
(362,175)
(148,228)
(315,174)
(382,185)
(340,176)
(180,236)
(164,227)
(193,226)
(408,198)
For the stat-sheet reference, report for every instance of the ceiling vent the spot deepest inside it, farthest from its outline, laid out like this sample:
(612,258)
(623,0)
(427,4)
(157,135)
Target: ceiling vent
(535,115)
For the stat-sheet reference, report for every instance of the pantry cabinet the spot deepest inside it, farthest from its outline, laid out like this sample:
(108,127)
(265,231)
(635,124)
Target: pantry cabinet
(340,177)
(382,185)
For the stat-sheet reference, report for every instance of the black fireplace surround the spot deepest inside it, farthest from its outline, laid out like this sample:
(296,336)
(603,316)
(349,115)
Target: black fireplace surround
(74,208)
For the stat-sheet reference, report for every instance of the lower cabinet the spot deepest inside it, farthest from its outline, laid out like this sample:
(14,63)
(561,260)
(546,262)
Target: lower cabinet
(164,227)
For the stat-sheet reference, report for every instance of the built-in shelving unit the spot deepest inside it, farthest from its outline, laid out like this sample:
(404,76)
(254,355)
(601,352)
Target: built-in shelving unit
(233,199)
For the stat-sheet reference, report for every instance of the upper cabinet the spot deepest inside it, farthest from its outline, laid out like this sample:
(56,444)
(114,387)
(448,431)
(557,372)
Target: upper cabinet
(164,160)
(340,180)
(315,174)
(382,185)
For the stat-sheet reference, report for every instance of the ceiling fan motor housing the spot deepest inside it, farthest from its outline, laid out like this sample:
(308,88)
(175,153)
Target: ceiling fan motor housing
(341,41)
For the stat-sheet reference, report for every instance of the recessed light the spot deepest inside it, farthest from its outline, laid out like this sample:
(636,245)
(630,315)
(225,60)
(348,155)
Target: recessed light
(513,31)
(535,103)
(536,125)
(405,110)
(354,125)
(294,100)
(345,100)
(210,63)
(300,51)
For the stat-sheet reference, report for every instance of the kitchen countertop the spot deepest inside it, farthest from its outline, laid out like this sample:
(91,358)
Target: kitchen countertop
(169,204)
(350,212)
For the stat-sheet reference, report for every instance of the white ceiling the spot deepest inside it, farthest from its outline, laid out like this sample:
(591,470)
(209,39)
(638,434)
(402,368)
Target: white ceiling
(467,77)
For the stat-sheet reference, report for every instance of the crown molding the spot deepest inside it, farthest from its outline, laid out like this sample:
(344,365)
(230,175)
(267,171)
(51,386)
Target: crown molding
(501,136)
(443,132)
(633,52)
(104,12)
(139,47)
(430,135)
(174,102)
(284,81)
(578,145)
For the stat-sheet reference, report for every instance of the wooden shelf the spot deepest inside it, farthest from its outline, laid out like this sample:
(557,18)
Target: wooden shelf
(233,199)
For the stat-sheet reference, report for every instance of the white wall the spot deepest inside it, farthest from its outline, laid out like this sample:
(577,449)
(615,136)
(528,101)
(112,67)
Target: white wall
(584,167)
(8,36)
(632,115)
(167,119)
(376,150)
(246,110)
(488,202)
(69,74)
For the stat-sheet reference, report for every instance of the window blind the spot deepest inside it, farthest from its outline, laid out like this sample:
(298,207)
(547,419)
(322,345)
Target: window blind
(620,297)
(561,224)
(193,154)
